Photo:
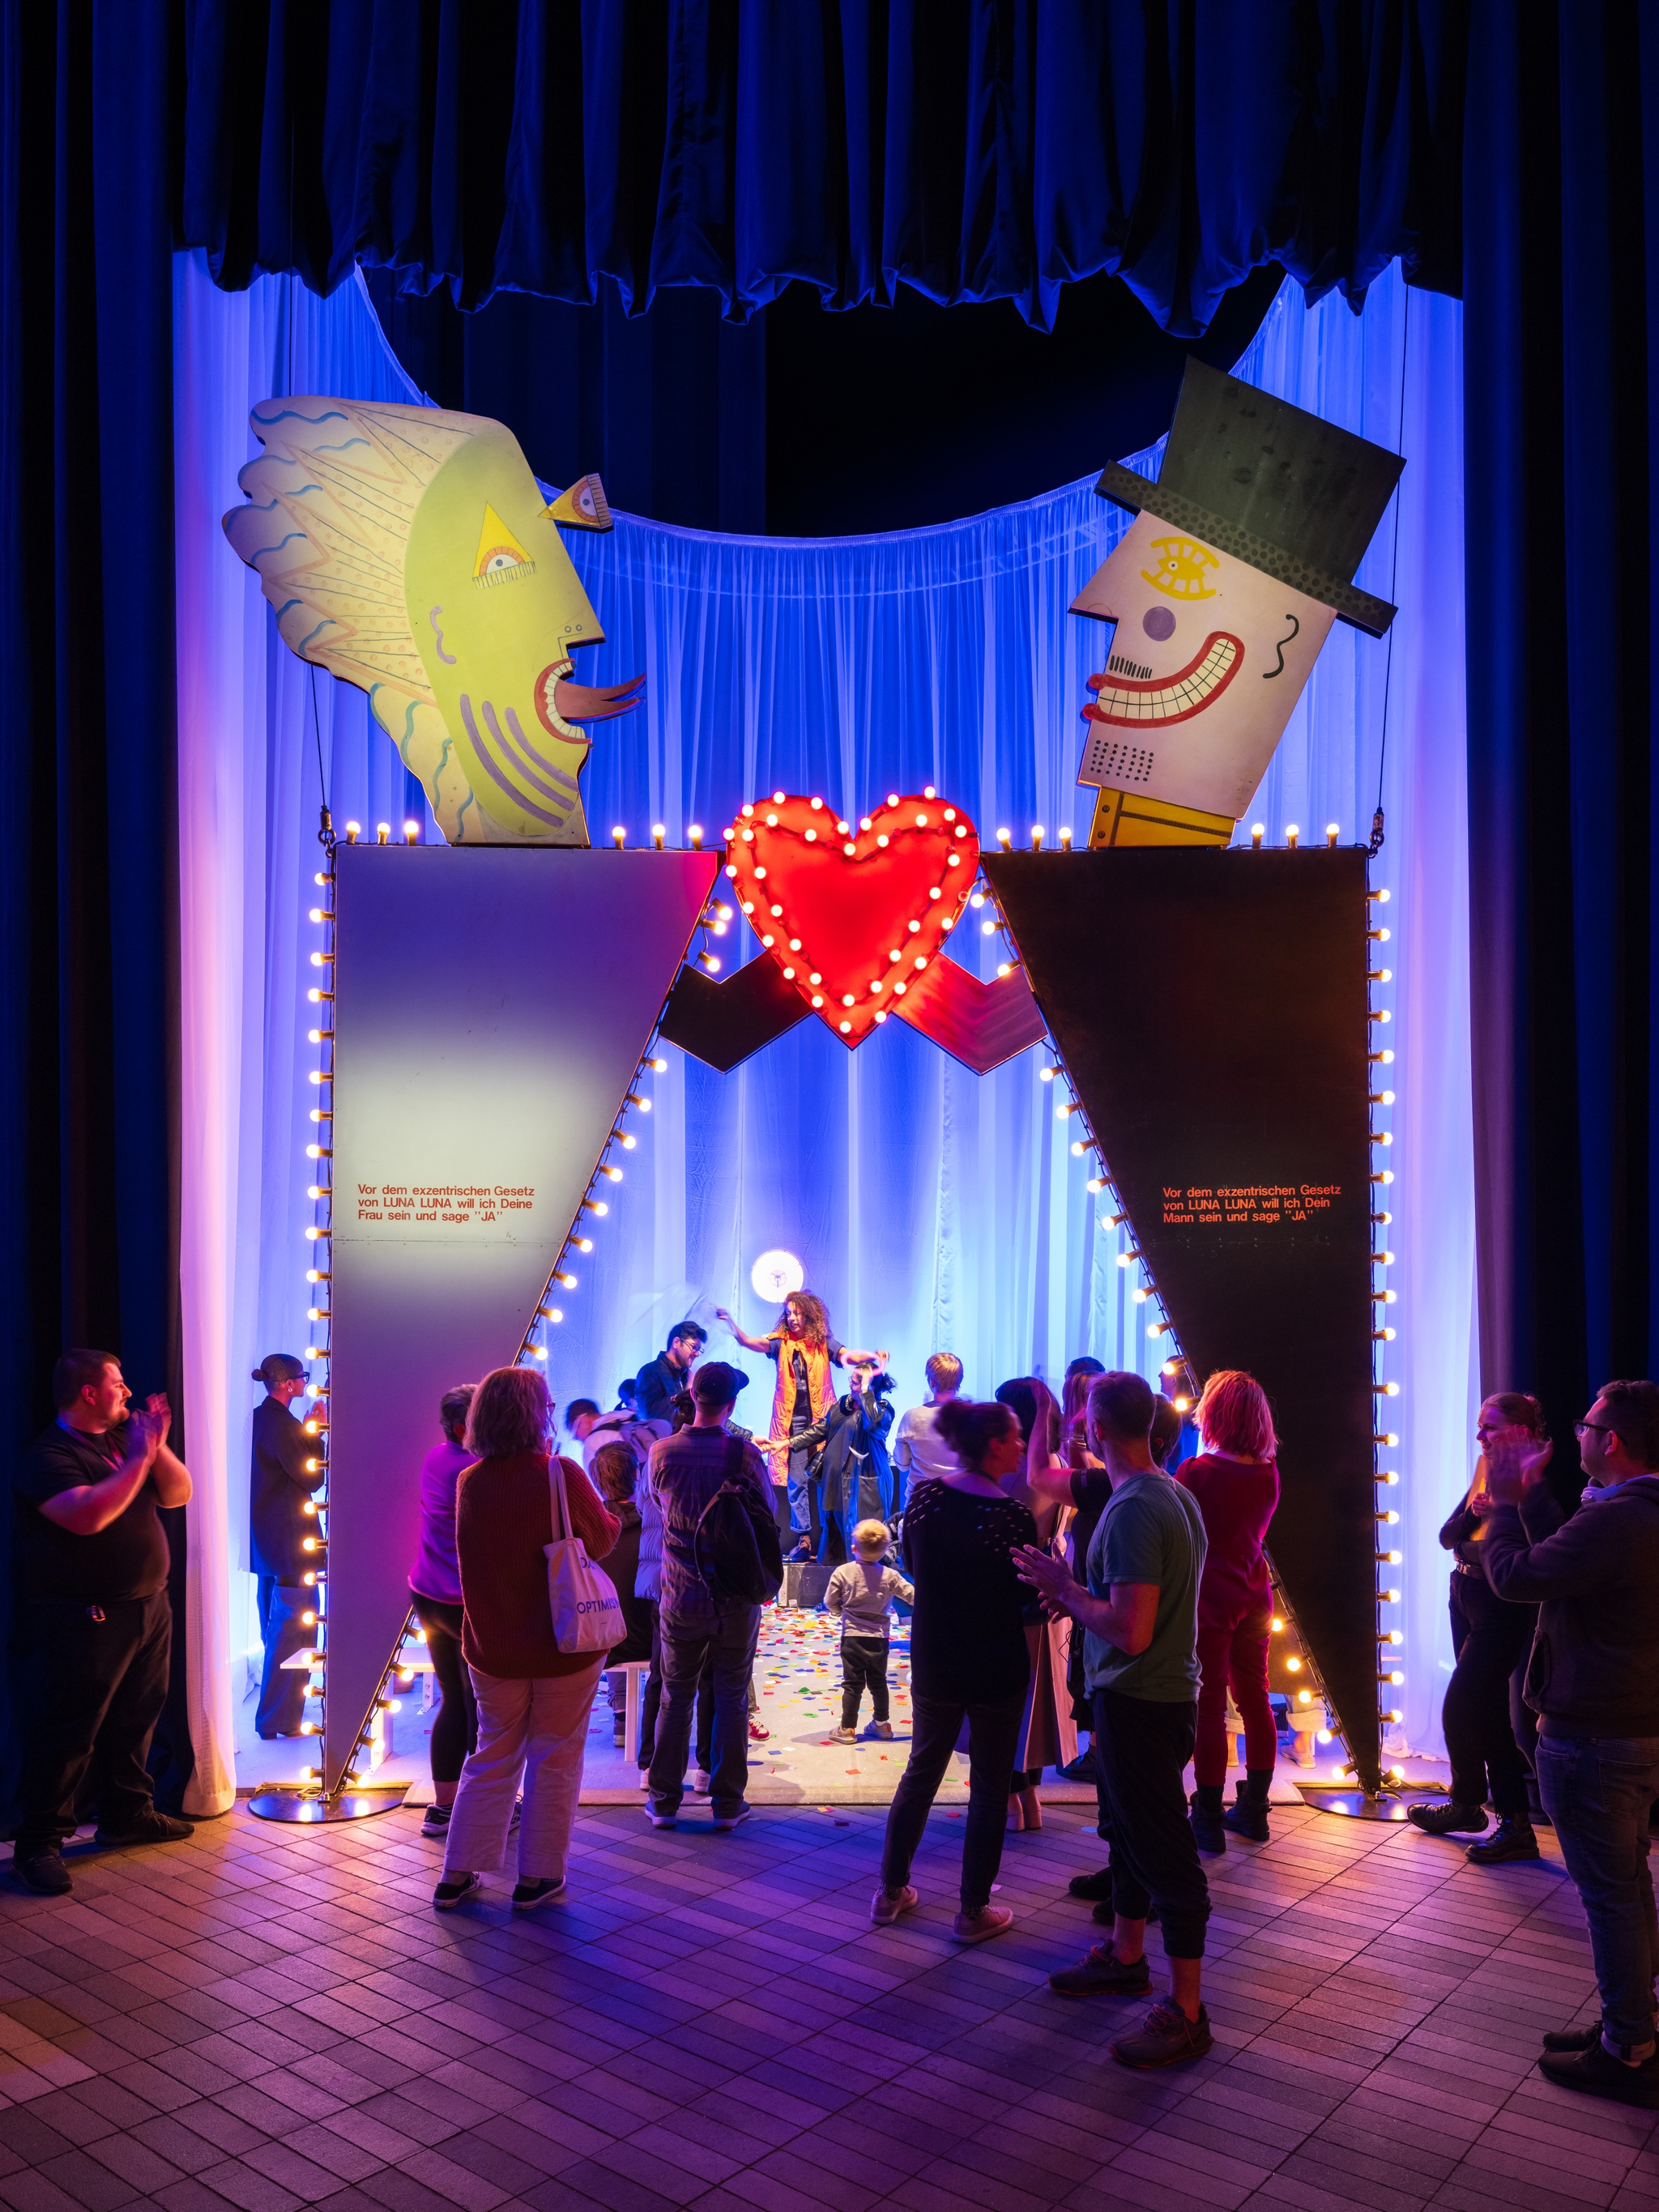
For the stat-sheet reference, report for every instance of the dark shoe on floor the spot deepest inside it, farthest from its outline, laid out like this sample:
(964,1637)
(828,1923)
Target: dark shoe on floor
(1446,1818)
(1102,1974)
(1168,2039)
(527,1895)
(151,1828)
(1599,2074)
(1249,1816)
(1081,1769)
(437,1822)
(731,1819)
(1510,1839)
(1571,2039)
(1091,1886)
(450,1894)
(1207,1832)
(44,1873)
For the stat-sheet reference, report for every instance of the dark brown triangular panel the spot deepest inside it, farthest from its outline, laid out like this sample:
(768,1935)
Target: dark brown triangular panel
(723,1023)
(1210,1008)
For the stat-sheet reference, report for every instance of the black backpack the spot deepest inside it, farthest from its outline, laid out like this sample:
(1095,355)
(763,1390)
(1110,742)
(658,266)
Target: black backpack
(736,1548)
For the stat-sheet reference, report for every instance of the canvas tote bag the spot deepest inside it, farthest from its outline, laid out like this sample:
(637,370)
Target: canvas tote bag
(587,1614)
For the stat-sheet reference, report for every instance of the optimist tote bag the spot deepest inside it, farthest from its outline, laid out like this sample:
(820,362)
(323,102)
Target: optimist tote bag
(587,1614)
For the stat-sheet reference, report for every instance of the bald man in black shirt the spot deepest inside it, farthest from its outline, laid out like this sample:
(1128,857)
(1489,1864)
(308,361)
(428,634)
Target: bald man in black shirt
(92,1561)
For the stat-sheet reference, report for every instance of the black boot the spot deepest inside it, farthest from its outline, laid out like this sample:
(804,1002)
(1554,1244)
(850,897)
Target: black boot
(1512,1839)
(1207,1832)
(1448,1819)
(1249,1817)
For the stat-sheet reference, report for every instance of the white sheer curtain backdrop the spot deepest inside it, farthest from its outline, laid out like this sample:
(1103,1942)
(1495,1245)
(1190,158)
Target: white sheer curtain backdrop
(931,1209)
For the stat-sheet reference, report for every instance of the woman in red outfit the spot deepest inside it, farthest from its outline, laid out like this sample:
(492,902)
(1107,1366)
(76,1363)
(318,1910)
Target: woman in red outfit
(1236,1482)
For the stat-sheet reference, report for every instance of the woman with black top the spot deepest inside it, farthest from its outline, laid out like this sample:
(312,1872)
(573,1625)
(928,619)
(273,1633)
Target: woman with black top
(1491,1638)
(969,1658)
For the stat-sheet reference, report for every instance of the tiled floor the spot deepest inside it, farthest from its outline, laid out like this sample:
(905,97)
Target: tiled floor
(268,2017)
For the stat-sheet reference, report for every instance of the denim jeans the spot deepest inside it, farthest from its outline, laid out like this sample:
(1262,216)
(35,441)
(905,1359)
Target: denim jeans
(1598,1792)
(724,1639)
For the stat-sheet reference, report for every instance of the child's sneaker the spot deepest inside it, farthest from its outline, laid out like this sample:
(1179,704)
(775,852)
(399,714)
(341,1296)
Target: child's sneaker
(846,1735)
(882,1731)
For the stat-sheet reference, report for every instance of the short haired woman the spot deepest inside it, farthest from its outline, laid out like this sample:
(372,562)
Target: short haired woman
(434,1588)
(533,1699)
(287,1468)
(969,1658)
(1490,1637)
(1235,1479)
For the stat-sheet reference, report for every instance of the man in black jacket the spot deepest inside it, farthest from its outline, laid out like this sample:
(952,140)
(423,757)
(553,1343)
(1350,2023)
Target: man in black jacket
(1594,1679)
(660,1381)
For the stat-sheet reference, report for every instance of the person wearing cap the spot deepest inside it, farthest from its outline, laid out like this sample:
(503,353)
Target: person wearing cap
(695,1625)
(287,1468)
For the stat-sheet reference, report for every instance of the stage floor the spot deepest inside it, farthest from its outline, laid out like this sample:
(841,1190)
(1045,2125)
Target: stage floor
(798,1681)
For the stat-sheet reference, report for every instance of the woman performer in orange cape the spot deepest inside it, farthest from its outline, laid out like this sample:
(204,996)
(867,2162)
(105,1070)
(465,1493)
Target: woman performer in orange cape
(806,1348)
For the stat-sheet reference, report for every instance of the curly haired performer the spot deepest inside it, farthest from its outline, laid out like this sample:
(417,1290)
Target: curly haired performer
(802,1395)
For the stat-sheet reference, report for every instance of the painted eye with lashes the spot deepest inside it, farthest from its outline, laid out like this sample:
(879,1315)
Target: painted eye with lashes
(500,554)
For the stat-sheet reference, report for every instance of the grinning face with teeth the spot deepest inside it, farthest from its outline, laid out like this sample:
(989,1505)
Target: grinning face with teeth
(1208,657)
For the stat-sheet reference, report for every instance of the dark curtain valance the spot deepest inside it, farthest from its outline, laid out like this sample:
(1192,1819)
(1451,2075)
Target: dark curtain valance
(977,150)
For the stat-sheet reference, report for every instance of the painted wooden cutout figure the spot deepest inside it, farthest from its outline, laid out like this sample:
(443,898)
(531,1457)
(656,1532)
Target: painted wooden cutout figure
(1241,555)
(411,552)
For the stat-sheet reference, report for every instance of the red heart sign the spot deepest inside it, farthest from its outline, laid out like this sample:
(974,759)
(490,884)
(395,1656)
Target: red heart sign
(853,912)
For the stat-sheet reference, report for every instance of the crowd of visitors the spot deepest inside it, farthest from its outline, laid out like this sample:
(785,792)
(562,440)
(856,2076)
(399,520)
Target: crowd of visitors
(1067,1566)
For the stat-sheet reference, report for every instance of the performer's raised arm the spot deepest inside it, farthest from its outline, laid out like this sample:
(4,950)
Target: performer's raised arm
(750,1343)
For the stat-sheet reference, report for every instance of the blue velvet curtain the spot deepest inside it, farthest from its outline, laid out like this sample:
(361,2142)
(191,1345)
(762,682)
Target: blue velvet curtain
(977,150)
(1562,406)
(88,948)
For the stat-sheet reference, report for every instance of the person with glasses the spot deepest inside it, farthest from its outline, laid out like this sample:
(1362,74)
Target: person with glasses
(1490,1640)
(1594,1680)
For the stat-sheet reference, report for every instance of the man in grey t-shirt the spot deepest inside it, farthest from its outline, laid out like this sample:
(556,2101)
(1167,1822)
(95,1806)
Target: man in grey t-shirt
(1139,1615)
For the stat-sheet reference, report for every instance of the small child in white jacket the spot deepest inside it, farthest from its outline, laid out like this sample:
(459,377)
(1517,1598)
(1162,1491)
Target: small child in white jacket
(861,1590)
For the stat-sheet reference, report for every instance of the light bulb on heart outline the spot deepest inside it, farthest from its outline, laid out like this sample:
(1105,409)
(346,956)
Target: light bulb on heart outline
(902,881)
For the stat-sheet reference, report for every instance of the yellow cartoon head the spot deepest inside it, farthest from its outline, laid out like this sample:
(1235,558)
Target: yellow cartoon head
(410,551)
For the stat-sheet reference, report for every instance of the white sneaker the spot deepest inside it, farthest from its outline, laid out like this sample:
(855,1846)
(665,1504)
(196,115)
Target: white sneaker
(699,1783)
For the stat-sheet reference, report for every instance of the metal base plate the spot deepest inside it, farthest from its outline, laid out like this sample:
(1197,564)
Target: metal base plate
(1354,1804)
(298,1804)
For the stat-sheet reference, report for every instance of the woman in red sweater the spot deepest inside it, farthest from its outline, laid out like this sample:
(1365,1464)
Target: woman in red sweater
(1236,1482)
(533,1699)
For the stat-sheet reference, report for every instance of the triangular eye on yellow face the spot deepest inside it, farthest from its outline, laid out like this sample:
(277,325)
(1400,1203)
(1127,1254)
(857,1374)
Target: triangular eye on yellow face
(500,553)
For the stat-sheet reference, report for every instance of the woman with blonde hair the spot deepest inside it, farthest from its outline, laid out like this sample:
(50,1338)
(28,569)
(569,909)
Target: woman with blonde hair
(533,1699)
(1235,1479)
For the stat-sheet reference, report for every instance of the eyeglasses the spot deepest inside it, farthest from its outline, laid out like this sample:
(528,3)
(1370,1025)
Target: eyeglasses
(1596,1428)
